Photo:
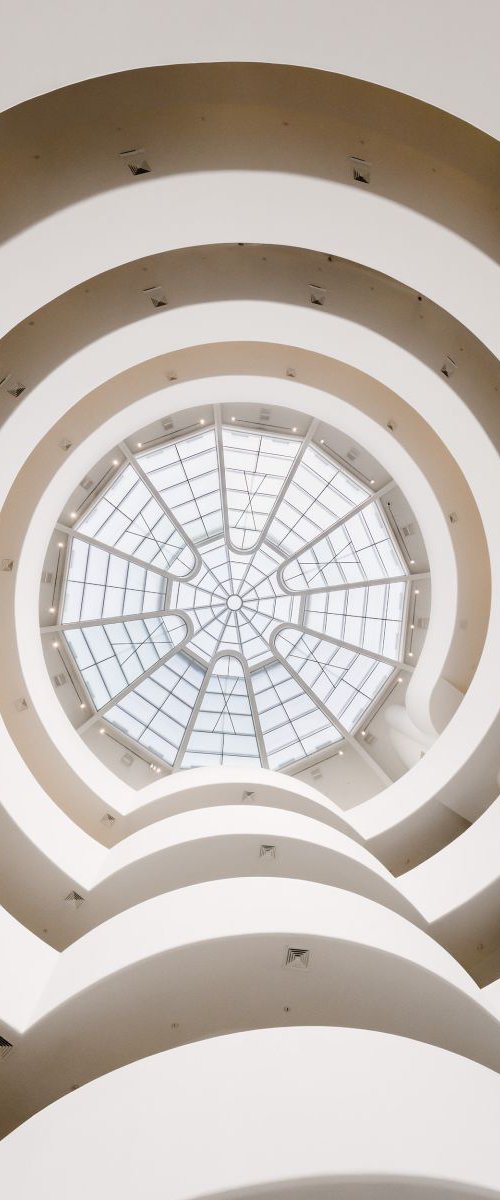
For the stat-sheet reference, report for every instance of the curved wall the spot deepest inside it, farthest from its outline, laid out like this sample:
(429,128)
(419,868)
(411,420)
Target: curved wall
(135,920)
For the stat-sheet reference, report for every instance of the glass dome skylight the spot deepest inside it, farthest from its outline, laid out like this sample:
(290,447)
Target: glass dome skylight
(233,597)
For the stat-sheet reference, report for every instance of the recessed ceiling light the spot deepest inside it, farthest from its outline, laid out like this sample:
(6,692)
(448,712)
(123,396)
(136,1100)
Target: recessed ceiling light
(55,645)
(52,609)
(372,482)
(410,654)
(363,733)
(115,462)
(60,545)
(73,516)
(233,418)
(400,680)
(202,421)
(412,626)
(101,731)
(82,704)
(294,429)
(412,562)
(341,752)
(139,445)
(417,593)
(322,442)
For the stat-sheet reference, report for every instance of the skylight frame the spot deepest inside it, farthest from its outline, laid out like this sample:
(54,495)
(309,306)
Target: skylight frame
(270,603)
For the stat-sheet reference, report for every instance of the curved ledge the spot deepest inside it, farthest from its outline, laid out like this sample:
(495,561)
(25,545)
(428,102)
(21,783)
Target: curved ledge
(329,42)
(381,1114)
(236,934)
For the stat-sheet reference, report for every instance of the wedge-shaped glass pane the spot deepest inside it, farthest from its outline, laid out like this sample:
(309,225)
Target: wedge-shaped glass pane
(345,682)
(292,724)
(361,548)
(129,518)
(371,617)
(224,732)
(256,466)
(101,584)
(158,710)
(319,494)
(186,474)
(110,657)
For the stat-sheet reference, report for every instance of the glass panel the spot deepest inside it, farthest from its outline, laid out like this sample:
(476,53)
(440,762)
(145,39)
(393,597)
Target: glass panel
(156,706)
(281,704)
(102,585)
(224,731)
(131,644)
(371,617)
(186,474)
(344,681)
(319,494)
(112,656)
(256,466)
(128,517)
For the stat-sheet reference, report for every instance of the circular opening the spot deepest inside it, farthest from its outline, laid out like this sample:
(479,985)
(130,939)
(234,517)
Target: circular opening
(234,603)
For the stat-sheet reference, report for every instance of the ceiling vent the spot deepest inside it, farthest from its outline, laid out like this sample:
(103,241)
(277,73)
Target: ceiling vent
(353,454)
(295,959)
(248,797)
(12,386)
(60,679)
(291,373)
(65,444)
(21,704)
(74,899)
(108,820)
(127,759)
(317,295)
(267,852)
(408,530)
(7,564)
(5,1047)
(316,773)
(361,170)
(449,367)
(87,483)
(168,426)
(157,296)
(423,623)
(453,518)
(368,738)
(265,414)
(136,162)
(46,576)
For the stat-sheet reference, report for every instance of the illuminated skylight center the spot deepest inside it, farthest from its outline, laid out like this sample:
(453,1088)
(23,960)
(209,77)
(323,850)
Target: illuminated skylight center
(233,596)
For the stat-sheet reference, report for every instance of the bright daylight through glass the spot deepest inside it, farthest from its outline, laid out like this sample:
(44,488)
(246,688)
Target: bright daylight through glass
(234,597)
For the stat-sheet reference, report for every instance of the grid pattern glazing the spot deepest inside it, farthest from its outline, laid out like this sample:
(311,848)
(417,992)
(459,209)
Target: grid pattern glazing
(237,560)
(110,657)
(345,682)
(129,518)
(100,584)
(256,466)
(157,711)
(319,494)
(186,475)
(292,725)
(359,549)
(224,731)
(369,617)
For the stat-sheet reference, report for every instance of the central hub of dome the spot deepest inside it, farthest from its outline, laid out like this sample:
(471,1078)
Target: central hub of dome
(234,603)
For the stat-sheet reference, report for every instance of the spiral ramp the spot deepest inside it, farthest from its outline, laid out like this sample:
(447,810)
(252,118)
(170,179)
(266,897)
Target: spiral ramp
(254,975)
